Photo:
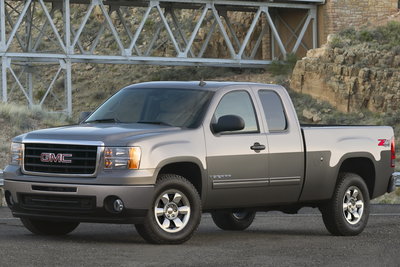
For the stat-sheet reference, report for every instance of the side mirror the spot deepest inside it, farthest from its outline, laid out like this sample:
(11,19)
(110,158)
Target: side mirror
(84,115)
(228,123)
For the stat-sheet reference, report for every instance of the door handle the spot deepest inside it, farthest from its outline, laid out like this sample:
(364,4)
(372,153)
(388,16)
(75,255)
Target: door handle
(257,147)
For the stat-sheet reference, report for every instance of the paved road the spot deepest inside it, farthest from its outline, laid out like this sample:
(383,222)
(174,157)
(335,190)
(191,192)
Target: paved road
(274,239)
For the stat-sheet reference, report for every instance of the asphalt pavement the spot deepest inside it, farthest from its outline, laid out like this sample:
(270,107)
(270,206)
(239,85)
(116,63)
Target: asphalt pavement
(274,239)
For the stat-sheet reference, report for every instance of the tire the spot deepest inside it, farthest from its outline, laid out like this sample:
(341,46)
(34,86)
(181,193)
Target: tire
(175,213)
(42,227)
(233,220)
(346,214)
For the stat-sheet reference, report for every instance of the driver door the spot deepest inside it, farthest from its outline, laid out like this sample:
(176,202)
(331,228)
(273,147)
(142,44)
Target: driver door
(237,160)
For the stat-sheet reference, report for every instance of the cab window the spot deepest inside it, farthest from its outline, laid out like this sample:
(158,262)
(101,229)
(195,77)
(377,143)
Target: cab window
(240,104)
(273,110)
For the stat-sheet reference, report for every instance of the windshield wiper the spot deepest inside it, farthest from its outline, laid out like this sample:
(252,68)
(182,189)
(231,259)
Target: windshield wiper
(104,120)
(156,122)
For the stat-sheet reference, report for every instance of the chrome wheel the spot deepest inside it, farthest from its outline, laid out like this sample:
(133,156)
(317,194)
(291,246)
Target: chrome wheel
(346,214)
(172,211)
(353,205)
(175,213)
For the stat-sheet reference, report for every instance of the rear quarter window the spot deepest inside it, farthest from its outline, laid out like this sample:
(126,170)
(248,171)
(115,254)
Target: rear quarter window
(273,110)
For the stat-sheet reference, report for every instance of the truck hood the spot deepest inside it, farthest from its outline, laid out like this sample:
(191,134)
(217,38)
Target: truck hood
(111,134)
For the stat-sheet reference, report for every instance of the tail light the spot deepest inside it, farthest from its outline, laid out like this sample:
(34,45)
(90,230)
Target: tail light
(393,153)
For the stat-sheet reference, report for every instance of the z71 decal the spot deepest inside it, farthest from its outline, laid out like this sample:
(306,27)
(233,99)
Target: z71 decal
(384,142)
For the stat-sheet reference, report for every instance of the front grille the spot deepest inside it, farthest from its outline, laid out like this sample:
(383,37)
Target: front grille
(61,159)
(57,203)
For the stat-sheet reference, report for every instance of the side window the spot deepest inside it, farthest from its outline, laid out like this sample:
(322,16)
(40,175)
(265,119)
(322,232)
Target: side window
(240,104)
(274,111)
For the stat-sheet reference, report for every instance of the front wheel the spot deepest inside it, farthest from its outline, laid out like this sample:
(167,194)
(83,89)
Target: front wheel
(175,213)
(347,213)
(234,220)
(43,227)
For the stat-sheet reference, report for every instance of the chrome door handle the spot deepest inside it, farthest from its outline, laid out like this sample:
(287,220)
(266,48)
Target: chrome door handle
(257,147)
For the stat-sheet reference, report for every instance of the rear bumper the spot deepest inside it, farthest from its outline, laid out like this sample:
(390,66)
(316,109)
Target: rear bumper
(77,202)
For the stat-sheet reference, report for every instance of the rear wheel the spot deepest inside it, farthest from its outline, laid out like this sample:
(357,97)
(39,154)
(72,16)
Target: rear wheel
(347,212)
(175,213)
(43,227)
(234,220)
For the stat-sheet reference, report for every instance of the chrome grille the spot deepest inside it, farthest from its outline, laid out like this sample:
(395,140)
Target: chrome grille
(81,159)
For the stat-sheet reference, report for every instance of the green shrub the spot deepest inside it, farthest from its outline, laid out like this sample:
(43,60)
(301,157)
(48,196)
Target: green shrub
(348,33)
(387,36)
(365,36)
(396,50)
(336,42)
(285,67)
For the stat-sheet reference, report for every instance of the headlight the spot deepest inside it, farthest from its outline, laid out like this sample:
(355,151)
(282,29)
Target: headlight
(122,158)
(16,154)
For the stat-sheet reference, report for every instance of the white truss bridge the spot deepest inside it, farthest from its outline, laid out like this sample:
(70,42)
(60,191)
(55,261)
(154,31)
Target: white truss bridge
(54,34)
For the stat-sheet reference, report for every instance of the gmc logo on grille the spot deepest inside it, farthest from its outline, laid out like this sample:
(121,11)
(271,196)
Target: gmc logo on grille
(51,157)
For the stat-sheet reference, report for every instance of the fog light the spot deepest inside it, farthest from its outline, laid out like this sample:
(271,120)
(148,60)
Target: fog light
(118,205)
(114,204)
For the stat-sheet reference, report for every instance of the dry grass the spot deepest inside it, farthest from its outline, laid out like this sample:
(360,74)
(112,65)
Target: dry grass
(16,120)
(392,198)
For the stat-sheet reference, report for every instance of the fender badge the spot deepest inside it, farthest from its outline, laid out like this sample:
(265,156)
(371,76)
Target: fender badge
(384,142)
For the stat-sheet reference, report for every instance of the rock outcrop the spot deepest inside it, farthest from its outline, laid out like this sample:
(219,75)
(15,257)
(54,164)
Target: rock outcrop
(352,78)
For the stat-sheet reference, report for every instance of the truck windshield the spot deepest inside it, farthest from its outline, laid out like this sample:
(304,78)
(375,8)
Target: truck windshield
(164,106)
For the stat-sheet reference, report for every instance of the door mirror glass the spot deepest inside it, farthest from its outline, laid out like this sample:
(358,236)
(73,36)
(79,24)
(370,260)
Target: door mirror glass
(228,123)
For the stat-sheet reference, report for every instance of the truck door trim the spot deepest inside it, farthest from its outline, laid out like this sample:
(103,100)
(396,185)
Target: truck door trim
(240,183)
(295,180)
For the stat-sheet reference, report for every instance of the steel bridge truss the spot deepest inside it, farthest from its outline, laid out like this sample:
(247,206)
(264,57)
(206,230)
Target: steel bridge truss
(41,39)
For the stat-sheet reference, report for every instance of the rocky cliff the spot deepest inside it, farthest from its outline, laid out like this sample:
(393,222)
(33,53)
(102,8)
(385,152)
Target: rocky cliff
(355,70)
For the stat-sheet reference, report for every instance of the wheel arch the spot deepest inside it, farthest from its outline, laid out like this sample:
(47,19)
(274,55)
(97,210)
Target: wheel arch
(189,169)
(362,166)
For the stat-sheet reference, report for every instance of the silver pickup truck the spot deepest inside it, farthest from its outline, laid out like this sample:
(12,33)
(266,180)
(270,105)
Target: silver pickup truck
(159,154)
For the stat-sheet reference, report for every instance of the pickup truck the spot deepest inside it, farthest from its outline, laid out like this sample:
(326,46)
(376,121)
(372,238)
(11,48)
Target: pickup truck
(158,154)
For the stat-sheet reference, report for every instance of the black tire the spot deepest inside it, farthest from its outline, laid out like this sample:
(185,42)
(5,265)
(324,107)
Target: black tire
(175,212)
(233,220)
(346,214)
(42,227)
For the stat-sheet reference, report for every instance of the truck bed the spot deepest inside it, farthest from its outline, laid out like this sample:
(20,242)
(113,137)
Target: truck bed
(328,146)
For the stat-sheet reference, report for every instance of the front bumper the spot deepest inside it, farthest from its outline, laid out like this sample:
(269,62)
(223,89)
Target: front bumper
(77,202)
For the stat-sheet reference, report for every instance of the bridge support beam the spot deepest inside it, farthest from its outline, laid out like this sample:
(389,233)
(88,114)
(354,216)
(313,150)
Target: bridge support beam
(47,37)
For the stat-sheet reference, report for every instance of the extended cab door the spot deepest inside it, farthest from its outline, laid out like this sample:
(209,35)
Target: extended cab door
(285,143)
(236,160)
